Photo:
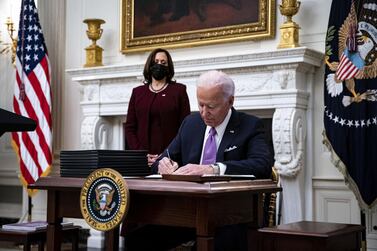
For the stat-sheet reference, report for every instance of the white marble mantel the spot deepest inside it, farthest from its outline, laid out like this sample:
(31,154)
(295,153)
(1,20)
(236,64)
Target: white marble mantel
(276,84)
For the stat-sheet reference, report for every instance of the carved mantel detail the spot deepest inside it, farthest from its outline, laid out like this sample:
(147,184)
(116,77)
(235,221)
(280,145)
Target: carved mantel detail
(96,133)
(289,132)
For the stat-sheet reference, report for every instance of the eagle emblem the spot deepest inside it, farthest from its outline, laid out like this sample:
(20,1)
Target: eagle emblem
(357,50)
(104,199)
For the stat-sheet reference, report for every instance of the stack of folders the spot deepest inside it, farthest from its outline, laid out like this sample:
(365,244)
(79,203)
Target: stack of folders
(81,163)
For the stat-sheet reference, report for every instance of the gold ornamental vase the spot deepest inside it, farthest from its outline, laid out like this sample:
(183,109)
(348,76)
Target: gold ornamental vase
(93,51)
(289,29)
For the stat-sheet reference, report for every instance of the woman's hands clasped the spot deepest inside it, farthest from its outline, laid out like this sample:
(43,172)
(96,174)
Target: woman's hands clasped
(151,158)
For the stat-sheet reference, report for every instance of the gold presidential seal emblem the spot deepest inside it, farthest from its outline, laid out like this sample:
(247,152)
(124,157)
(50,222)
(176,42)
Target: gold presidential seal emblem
(104,199)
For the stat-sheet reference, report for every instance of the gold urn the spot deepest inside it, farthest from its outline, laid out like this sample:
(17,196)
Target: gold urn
(289,29)
(93,51)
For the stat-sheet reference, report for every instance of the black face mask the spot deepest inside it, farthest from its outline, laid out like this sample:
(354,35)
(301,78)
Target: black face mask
(159,71)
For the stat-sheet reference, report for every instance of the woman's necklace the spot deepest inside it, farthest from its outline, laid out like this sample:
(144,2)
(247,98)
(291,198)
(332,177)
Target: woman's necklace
(157,90)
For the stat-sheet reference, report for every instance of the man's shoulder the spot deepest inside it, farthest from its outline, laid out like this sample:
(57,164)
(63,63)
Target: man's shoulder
(192,126)
(193,119)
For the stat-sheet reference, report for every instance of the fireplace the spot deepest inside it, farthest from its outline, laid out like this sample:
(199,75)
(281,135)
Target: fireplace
(276,85)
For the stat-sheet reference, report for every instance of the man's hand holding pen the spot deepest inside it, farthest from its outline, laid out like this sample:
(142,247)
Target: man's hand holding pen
(167,166)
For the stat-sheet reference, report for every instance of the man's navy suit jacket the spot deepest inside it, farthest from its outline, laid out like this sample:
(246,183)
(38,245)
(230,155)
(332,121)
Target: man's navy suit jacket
(243,148)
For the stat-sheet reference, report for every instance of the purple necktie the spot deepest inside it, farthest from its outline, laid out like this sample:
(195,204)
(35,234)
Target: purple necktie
(209,153)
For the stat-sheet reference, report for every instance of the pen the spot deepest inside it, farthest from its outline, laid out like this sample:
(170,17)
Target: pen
(167,151)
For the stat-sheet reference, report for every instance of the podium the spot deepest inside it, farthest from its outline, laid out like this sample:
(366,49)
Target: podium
(12,122)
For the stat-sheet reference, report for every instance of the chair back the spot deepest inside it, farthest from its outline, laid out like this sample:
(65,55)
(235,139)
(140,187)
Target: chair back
(272,208)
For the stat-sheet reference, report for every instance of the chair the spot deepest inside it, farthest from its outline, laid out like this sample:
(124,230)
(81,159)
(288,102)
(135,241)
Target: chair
(269,203)
(269,213)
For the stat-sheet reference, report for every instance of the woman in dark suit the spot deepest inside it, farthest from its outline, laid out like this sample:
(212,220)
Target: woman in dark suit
(157,108)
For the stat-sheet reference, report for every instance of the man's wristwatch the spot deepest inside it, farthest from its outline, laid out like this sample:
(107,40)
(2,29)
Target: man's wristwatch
(216,169)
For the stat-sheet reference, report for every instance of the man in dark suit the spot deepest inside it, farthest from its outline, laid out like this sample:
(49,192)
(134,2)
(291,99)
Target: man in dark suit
(217,140)
(241,147)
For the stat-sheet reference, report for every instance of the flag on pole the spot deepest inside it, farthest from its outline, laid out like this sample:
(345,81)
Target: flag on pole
(350,95)
(32,97)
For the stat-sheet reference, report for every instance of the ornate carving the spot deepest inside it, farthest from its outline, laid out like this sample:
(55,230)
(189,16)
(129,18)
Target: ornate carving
(90,92)
(96,133)
(289,132)
(283,78)
(87,132)
(103,134)
(116,92)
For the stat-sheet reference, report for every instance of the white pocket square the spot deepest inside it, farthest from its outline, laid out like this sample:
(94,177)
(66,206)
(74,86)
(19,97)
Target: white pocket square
(230,149)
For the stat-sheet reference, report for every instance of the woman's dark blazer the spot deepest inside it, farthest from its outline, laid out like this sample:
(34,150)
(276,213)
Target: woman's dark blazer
(173,105)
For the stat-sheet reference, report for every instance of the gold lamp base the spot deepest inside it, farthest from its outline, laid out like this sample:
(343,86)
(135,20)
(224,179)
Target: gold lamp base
(93,56)
(289,35)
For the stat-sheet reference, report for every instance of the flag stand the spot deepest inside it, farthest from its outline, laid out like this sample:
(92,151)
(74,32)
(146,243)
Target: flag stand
(29,208)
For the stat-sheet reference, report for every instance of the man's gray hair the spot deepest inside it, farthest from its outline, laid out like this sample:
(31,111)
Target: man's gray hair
(213,78)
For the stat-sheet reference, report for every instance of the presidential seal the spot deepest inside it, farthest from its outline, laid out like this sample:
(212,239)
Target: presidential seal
(104,199)
(356,50)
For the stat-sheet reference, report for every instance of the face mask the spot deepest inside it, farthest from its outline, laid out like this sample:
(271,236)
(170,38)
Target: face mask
(159,71)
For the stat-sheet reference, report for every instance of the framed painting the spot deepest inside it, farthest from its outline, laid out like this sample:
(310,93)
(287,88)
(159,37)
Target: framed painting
(149,24)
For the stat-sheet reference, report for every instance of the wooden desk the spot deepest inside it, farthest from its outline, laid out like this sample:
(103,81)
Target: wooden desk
(174,203)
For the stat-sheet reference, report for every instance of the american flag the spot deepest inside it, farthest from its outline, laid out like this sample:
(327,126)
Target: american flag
(350,64)
(32,97)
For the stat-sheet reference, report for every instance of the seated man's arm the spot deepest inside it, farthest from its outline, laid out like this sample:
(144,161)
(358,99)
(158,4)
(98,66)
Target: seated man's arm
(252,155)
(172,151)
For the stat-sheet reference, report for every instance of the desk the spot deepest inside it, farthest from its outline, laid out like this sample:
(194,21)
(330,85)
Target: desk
(173,203)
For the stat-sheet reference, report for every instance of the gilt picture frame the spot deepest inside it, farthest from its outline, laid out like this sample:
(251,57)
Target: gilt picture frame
(150,24)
